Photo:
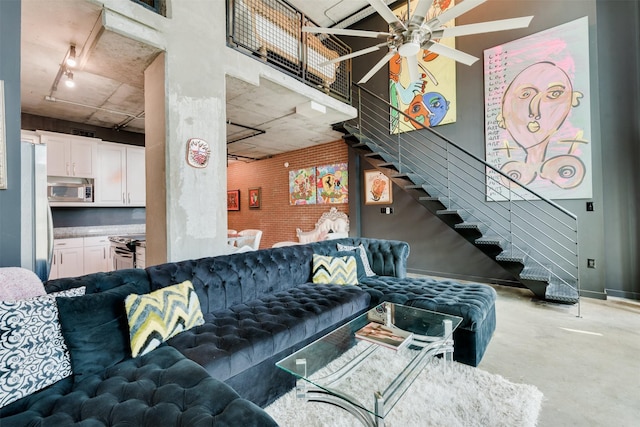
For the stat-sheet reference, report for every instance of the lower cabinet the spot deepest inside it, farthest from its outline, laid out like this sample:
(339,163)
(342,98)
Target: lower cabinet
(80,255)
(68,258)
(97,255)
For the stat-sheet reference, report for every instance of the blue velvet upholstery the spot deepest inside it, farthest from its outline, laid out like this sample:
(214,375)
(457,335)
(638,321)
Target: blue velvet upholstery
(95,328)
(259,307)
(475,303)
(161,388)
(100,282)
(244,335)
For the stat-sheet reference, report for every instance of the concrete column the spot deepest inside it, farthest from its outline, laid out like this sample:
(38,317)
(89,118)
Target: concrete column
(194,107)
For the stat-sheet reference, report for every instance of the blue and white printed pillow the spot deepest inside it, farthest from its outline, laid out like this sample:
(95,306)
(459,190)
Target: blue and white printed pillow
(362,252)
(33,354)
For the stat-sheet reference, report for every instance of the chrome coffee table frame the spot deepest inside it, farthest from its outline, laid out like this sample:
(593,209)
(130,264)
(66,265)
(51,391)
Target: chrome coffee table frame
(425,345)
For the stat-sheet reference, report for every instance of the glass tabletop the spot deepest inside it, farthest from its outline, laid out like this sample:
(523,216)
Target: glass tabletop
(375,357)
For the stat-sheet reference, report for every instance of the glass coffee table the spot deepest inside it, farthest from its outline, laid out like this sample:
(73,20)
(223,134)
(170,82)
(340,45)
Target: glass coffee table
(367,365)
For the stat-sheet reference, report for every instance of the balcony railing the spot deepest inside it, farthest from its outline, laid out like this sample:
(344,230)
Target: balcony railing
(271,31)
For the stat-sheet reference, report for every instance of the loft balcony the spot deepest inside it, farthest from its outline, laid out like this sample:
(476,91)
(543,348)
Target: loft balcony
(270,31)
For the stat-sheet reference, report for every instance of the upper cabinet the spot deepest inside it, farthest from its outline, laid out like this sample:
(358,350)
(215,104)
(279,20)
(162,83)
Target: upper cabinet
(69,155)
(120,177)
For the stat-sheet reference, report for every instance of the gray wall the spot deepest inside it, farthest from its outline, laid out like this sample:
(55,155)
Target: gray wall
(10,217)
(610,234)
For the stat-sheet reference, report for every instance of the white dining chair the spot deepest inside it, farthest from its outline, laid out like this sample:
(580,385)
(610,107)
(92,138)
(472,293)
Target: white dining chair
(255,234)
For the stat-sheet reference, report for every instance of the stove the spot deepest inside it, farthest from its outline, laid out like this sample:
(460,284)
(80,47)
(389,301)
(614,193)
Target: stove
(123,250)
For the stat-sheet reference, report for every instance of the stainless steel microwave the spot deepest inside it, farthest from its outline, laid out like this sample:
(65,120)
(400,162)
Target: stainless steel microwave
(69,192)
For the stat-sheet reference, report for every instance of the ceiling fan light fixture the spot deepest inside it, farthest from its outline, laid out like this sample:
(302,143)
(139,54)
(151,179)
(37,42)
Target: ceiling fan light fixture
(71,57)
(409,49)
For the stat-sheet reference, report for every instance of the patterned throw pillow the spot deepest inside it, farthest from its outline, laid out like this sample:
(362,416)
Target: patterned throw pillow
(362,252)
(335,270)
(157,316)
(33,354)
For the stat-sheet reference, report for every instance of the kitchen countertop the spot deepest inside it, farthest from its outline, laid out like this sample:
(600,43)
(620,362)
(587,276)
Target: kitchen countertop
(98,230)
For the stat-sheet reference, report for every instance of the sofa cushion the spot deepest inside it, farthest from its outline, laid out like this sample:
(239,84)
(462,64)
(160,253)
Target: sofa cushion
(33,354)
(335,270)
(244,335)
(362,253)
(161,388)
(473,302)
(95,328)
(157,316)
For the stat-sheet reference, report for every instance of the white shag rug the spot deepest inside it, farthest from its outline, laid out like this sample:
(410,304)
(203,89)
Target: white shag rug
(461,396)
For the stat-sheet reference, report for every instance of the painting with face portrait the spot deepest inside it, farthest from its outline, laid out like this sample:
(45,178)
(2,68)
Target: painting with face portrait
(431,100)
(537,114)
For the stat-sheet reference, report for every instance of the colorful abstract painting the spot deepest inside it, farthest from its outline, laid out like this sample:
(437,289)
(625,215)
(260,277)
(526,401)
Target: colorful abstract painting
(537,112)
(302,186)
(431,100)
(332,183)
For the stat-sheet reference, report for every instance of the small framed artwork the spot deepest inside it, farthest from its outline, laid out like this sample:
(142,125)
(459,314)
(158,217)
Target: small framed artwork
(377,188)
(233,200)
(254,198)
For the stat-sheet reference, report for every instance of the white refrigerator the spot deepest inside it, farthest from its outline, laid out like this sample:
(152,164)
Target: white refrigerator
(37,225)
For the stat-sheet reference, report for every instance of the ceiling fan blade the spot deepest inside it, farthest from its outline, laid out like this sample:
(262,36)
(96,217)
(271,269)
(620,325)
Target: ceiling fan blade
(346,32)
(453,13)
(412,65)
(353,54)
(385,59)
(387,14)
(450,52)
(420,12)
(483,27)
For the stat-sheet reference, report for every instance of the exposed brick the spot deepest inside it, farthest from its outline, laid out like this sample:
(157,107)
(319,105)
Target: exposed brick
(276,217)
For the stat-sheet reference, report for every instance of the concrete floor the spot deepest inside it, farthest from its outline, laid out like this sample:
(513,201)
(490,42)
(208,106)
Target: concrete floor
(588,368)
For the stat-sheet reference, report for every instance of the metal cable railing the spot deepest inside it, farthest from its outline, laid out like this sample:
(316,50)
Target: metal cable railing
(271,30)
(526,225)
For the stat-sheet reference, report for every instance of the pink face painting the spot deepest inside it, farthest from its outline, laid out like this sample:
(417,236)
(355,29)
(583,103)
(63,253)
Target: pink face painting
(536,103)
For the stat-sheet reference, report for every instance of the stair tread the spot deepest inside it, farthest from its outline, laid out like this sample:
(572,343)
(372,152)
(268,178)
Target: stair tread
(535,272)
(562,292)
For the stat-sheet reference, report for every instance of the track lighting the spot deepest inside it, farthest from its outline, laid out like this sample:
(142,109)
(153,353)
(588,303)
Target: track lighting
(71,57)
(65,70)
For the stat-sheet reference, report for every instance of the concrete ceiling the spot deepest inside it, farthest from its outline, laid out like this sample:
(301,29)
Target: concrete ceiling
(109,78)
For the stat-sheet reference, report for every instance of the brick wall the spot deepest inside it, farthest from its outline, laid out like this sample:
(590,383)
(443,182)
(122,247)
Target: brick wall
(276,218)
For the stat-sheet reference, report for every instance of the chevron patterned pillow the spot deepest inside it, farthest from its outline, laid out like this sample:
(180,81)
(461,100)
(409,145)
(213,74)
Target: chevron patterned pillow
(335,270)
(157,316)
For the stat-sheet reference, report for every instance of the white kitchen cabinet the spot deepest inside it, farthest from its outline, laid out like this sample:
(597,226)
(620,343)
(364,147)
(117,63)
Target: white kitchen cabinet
(136,177)
(68,258)
(96,254)
(69,155)
(121,175)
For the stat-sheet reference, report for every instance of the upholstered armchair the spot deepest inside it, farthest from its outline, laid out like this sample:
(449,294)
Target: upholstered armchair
(331,225)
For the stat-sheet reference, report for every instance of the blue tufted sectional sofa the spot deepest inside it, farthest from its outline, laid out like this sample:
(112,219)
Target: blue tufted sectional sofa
(258,307)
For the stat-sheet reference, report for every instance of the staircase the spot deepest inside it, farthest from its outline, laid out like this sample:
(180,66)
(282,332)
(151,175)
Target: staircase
(532,237)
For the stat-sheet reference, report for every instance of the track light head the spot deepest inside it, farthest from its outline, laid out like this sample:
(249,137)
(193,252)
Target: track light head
(69,82)
(71,57)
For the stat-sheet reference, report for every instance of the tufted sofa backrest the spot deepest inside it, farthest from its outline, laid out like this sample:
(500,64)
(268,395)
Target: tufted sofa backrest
(386,257)
(227,280)
(99,282)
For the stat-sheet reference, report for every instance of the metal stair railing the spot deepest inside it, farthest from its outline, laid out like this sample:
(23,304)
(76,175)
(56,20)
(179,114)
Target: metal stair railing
(529,228)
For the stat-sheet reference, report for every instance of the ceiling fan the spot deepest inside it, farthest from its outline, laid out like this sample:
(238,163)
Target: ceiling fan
(416,33)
